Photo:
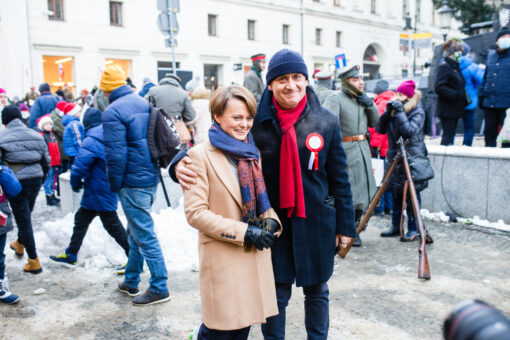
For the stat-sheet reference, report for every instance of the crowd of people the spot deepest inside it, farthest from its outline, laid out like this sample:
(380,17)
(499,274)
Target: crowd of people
(292,163)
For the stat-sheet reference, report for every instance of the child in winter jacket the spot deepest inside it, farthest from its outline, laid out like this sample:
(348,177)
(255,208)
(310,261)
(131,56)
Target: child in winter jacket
(9,187)
(98,200)
(45,124)
(73,131)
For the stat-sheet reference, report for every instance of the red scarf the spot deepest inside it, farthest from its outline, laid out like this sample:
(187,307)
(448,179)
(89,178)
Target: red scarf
(291,184)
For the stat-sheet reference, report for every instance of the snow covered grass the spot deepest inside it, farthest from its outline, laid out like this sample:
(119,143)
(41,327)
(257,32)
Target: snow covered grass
(476,220)
(177,239)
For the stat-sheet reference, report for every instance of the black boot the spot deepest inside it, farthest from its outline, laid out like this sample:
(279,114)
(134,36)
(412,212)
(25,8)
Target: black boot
(394,230)
(55,200)
(357,241)
(49,201)
(410,236)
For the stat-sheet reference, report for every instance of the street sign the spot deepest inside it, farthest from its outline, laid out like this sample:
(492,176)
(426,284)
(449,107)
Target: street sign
(418,40)
(340,61)
(174,5)
(164,23)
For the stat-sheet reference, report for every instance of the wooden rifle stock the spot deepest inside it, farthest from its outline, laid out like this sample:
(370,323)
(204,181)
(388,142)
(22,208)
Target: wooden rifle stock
(363,223)
(423,262)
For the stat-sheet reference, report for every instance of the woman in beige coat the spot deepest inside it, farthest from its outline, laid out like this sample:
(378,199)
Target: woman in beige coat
(230,208)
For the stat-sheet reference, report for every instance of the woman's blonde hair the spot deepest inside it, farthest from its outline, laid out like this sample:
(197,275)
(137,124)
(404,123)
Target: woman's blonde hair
(222,95)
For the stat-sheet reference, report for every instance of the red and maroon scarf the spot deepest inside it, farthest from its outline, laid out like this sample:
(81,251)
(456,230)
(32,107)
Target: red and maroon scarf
(292,197)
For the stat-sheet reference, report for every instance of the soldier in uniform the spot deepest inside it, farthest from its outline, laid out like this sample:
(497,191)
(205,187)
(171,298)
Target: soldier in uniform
(324,85)
(253,80)
(356,112)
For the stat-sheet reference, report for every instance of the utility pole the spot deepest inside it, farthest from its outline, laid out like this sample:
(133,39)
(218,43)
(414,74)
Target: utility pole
(168,25)
(415,30)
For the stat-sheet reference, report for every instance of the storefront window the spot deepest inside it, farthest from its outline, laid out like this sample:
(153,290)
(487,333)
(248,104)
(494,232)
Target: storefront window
(58,72)
(125,64)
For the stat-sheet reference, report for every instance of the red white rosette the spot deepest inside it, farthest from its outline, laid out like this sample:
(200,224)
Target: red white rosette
(314,143)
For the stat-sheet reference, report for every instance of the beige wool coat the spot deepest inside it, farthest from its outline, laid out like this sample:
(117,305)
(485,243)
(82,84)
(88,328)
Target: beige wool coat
(237,287)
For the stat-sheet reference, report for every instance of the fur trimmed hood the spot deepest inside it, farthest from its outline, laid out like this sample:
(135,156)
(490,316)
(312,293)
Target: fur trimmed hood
(413,102)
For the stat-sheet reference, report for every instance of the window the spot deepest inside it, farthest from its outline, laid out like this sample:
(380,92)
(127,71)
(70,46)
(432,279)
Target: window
(285,34)
(58,71)
(251,29)
(338,39)
(211,25)
(336,2)
(318,33)
(405,8)
(373,6)
(115,13)
(57,7)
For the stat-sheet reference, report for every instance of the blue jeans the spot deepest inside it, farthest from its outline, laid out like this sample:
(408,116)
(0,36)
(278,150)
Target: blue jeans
(50,182)
(397,211)
(316,312)
(469,126)
(3,240)
(143,242)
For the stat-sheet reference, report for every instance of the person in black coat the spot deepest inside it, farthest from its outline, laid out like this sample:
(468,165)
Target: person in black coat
(450,89)
(316,210)
(404,117)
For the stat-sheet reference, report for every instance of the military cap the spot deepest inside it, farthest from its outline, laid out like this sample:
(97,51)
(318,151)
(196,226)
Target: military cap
(258,56)
(353,72)
(325,74)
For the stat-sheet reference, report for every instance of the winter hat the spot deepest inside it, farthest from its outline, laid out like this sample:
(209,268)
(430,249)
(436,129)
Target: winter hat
(407,88)
(44,87)
(381,86)
(59,109)
(24,107)
(92,118)
(9,113)
(193,84)
(466,50)
(113,77)
(502,32)
(284,62)
(43,120)
(2,90)
(71,109)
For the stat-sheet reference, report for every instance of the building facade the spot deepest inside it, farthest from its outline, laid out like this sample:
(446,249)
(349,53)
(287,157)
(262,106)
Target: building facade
(69,42)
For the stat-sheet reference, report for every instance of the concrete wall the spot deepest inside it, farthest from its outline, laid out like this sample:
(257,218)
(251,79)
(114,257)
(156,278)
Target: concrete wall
(469,181)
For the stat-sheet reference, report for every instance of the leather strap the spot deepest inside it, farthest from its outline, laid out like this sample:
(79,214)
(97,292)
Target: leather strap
(356,138)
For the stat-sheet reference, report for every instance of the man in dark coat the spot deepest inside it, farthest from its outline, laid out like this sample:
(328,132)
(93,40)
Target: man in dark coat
(43,105)
(450,87)
(253,79)
(315,208)
(496,87)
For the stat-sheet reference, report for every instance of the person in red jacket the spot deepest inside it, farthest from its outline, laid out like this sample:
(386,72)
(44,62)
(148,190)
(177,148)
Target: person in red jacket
(379,142)
(45,124)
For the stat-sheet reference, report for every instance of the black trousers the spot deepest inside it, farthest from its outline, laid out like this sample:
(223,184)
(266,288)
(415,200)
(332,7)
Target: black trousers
(111,223)
(449,127)
(494,118)
(22,206)
(205,333)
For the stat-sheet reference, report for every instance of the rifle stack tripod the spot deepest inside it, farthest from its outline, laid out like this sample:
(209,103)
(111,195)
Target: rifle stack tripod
(423,263)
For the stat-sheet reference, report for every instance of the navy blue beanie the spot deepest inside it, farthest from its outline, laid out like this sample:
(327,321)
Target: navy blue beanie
(92,118)
(44,87)
(284,62)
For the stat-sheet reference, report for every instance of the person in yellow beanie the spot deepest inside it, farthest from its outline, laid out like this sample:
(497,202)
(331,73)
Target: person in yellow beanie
(112,78)
(134,177)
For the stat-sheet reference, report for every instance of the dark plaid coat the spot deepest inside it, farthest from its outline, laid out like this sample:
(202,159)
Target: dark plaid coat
(305,251)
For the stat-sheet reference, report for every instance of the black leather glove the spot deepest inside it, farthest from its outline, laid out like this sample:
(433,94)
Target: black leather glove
(77,187)
(364,100)
(258,237)
(397,105)
(270,225)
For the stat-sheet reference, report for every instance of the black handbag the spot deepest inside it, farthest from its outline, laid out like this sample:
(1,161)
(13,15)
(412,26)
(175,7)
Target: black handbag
(420,167)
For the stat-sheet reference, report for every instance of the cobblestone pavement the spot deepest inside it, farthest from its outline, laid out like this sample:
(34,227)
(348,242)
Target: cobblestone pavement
(374,292)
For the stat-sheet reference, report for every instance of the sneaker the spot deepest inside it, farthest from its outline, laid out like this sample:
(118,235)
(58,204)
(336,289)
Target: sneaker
(123,287)
(65,259)
(410,236)
(121,270)
(150,298)
(5,295)
(193,335)
(357,241)
(378,212)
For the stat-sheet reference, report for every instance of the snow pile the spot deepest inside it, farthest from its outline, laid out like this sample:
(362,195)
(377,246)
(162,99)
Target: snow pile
(177,239)
(476,220)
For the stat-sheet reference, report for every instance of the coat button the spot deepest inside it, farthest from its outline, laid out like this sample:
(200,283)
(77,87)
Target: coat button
(234,237)
(222,235)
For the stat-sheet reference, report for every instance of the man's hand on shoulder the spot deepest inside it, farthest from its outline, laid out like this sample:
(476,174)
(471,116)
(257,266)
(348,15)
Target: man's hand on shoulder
(186,176)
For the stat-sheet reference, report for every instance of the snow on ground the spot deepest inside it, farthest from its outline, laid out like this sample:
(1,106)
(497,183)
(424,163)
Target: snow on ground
(177,239)
(476,220)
